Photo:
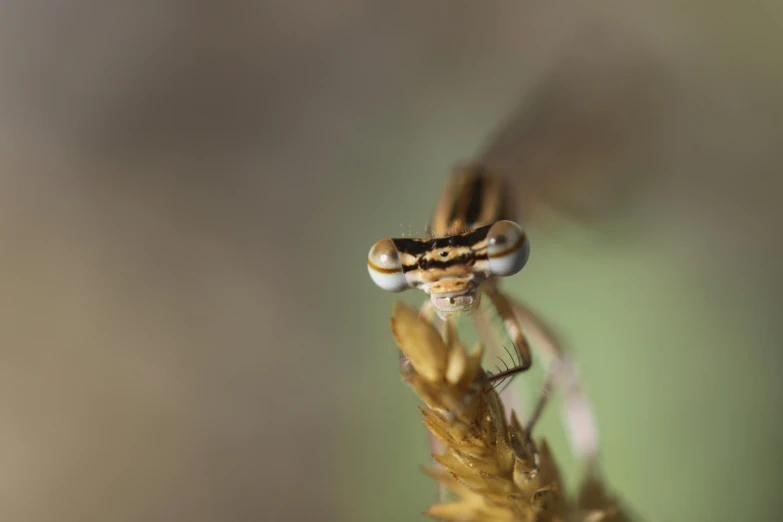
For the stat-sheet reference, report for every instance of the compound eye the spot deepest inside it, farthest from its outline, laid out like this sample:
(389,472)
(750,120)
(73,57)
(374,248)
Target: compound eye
(385,266)
(507,247)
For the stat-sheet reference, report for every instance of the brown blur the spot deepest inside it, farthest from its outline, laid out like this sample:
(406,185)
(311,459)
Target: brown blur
(186,188)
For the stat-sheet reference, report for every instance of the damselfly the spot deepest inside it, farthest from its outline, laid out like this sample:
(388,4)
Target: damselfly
(472,243)
(558,147)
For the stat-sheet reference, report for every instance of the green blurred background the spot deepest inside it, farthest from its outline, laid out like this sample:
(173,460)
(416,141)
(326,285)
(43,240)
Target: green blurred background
(189,191)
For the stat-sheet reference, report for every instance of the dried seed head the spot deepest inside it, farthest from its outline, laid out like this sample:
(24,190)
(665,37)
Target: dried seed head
(491,466)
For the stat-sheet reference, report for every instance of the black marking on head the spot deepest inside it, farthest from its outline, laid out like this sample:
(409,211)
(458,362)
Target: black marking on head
(414,247)
(467,259)
(417,247)
(425,264)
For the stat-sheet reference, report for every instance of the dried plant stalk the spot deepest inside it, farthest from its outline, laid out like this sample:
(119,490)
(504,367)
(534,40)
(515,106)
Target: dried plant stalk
(491,465)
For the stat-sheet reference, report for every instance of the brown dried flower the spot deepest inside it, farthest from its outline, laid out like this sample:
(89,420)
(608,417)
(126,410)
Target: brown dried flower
(491,466)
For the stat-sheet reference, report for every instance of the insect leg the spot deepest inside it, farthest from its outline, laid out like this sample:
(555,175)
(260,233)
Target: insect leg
(504,308)
(488,335)
(562,374)
(514,329)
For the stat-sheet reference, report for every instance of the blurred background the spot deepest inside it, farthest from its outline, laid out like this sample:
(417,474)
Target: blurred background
(188,191)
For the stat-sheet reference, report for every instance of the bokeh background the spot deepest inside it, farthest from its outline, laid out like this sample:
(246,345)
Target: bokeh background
(188,191)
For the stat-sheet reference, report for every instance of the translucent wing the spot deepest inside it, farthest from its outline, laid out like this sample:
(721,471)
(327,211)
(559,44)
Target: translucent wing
(580,140)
